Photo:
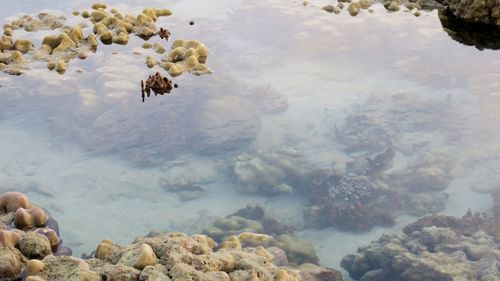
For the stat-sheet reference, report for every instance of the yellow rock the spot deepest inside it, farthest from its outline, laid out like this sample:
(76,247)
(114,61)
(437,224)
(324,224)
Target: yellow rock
(85,14)
(365,4)
(179,43)
(34,267)
(254,239)
(150,61)
(51,65)
(100,5)
(393,6)
(146,257)
(113,11)
(147,45)
(7,237)
(121,39)
(105,249)
(35,278)
(65,43)
(16,57)
(23,45)
(191,62)
(7,31)
(100,28)
(144,20)
(118,15)
(150,13)
(261,251)
(231,242)
(6,43)
(162,12)
(76,13)
(76,34)
(109,22)
(51,40)
(92,42)
(281,275)
(354,8)
(329,8)
(107,37)
(159,48)
(60,66)
(98,15)
(126,25)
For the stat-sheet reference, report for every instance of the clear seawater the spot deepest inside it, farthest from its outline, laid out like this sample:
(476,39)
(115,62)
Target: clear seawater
(85,147)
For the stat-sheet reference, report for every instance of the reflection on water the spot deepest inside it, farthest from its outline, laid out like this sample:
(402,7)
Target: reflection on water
(330,123)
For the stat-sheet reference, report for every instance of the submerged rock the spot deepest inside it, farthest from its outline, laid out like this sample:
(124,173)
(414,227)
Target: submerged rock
(433,248)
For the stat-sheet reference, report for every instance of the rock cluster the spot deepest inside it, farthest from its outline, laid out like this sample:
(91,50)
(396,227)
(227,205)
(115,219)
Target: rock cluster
(184,56)
(254,228)
(433,248)
(365,196)
(109,27)
(26,254)
(26,232)
(354,7)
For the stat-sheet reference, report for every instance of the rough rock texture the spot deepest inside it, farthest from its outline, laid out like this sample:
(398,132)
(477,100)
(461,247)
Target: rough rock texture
(481,36)
(26,232)
(433,248)
(365,196)
(270,172)
(487,12)
(175,256)
(254,228)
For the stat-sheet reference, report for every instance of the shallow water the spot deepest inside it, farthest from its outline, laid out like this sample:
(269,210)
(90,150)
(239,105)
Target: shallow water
(84,146)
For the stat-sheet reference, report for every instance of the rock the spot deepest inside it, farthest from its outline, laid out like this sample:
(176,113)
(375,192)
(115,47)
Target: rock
(186,55)
(475,11)
(23,45)
(34,245)
(30,218)
(435,249)
(354,8)
(228,123)
(12,263)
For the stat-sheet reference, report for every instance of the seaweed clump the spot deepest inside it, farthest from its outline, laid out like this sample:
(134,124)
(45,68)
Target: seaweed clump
(158,84)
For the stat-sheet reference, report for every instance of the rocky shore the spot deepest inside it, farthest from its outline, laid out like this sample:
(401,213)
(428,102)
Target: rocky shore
(31,250)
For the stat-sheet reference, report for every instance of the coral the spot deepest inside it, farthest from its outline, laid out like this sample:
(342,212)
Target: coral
(186,190)
(270,172)
(433,248)
(365,196)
